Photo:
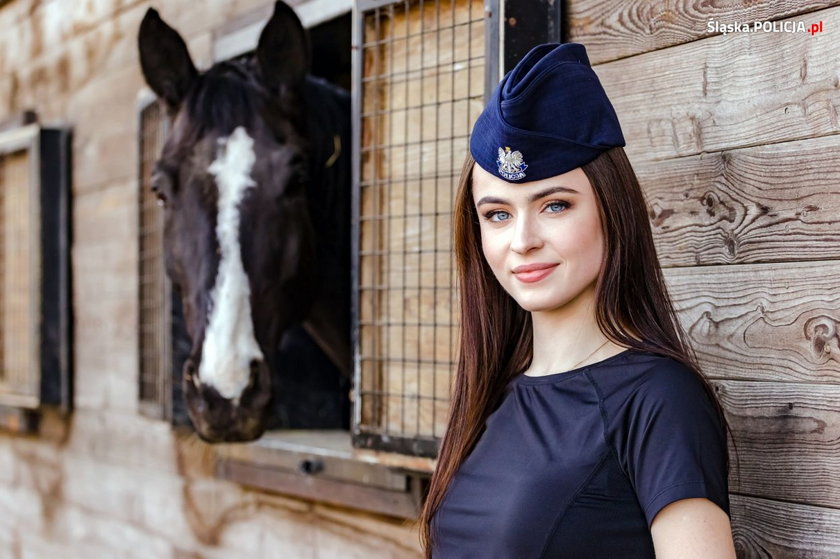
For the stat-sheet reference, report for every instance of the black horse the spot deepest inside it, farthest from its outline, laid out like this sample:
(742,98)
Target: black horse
(255,182)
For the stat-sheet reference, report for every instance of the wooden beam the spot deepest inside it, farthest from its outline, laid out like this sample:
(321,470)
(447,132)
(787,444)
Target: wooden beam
(764,528)
(788,440)
(394,503)
(727,92)
(612,30)
(762,322)
(771,203)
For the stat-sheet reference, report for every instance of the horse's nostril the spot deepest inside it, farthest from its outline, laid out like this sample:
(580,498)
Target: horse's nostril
(255,369)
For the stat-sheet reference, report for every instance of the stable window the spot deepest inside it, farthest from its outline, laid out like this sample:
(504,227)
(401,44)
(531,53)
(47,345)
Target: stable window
(163,344)
(420,73)
(418,85)
(34,273)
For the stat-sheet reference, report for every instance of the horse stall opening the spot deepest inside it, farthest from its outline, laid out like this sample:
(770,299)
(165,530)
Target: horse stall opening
(34,272)
(420,85)
(305,400)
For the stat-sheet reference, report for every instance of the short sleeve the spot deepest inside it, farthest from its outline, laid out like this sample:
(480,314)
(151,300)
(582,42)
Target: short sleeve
(670,441)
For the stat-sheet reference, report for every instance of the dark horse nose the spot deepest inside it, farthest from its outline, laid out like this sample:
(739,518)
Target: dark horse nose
(255,371)
(219,419)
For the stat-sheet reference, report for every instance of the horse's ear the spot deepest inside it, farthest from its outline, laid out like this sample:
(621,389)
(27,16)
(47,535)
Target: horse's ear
(283,49)
(165,60)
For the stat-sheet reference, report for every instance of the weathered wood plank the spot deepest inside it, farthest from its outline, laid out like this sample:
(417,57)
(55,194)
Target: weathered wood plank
(396,503)
(772,529)
(612,30)
(276,448)
(788,440)
(726,92)
(772,322)
(771,203)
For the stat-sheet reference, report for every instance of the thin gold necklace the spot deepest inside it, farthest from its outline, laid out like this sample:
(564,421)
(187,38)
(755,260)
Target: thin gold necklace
(582,360)
(590,355)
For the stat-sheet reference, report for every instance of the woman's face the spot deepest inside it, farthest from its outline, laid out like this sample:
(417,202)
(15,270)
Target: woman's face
(552,223)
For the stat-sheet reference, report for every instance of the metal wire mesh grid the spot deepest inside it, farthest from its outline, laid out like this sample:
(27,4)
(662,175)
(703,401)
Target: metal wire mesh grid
(422,87)
(154,290)
(19,286)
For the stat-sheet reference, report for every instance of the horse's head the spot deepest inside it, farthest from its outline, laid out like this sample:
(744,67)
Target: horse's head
(238,240)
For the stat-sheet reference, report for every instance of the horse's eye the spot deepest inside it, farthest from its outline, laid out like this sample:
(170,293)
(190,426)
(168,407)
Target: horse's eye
(161,197)
(157,178)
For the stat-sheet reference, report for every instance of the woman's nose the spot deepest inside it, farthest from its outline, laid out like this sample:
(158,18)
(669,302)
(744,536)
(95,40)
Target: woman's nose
(526,235)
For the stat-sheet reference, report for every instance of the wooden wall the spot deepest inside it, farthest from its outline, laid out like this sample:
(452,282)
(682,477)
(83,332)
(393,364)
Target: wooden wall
(735,141)
(111,483)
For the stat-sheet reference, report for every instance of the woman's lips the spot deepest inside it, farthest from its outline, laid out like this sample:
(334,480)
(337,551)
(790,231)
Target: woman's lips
(536,275)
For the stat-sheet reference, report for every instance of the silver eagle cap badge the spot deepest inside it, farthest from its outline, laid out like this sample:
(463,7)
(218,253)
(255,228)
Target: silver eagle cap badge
(511,164)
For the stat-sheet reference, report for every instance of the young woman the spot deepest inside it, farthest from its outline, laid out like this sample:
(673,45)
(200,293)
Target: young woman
(581,425)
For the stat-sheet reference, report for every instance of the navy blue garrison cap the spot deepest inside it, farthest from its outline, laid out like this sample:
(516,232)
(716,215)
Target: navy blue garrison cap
(547,116)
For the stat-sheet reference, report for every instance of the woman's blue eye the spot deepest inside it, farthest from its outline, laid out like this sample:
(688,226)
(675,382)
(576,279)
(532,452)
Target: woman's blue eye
(492,214)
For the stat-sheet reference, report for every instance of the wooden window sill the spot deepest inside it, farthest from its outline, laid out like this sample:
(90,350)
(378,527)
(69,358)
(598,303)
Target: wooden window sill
(322,465)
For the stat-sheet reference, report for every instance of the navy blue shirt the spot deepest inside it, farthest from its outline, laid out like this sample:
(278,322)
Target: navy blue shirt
(577,464)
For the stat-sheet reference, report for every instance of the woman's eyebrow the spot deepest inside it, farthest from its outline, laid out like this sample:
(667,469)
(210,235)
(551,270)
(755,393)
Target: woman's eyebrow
(533,198)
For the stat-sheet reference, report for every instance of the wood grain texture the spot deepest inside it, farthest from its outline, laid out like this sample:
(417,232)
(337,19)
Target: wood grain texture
(765,529)
(727,91)
(770,203)
(612,30)
(762,322)
(788,440)
(395,503)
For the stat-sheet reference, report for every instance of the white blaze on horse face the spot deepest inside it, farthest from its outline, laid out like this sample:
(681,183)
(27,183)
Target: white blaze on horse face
(229,342)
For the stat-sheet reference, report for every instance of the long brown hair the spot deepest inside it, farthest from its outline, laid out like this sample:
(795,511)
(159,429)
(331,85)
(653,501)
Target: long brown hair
(633,309)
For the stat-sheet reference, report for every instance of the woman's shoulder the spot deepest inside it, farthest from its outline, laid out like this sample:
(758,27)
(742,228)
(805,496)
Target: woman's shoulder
(648,375)
(656,390)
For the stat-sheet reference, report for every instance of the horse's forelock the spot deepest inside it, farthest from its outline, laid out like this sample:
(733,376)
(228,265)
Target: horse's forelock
(224,97)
